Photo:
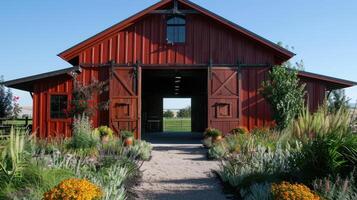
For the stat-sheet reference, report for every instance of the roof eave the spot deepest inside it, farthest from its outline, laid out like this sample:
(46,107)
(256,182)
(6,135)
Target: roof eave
(336,82)
(18,83)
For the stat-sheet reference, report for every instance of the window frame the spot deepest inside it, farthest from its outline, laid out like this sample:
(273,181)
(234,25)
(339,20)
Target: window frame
(65,119)
(176,25)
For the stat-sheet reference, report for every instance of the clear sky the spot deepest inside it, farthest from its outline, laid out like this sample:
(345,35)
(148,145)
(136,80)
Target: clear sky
(32,33)
(176,103)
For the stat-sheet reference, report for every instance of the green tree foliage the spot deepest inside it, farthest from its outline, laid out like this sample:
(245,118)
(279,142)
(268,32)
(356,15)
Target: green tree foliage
(337,100)
(184,113)
(5,100)
(284,93)
(168,114)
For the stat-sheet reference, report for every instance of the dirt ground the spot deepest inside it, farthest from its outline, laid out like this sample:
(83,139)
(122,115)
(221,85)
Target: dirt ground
(179,171)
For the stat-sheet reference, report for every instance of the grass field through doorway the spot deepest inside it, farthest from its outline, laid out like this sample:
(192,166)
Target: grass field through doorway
(177,124)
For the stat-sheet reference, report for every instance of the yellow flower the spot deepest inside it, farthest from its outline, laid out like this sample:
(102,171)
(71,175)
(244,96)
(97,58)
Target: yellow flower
(74,189)
(288,191)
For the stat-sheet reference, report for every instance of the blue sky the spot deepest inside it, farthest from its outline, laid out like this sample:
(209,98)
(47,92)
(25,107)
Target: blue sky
(323,33)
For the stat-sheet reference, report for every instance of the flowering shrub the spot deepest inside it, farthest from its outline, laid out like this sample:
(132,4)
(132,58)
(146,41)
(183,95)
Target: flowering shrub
(74,188)
(288,191)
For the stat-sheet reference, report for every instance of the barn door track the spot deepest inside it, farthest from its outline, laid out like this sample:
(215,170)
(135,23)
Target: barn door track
(179,171)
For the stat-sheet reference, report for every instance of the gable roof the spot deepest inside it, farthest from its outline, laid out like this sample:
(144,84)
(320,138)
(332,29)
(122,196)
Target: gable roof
(69,53)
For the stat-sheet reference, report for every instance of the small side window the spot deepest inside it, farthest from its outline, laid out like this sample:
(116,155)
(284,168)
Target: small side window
(59,105)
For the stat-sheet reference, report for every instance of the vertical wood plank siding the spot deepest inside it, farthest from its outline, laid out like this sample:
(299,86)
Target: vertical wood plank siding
(145,41)
(43,125)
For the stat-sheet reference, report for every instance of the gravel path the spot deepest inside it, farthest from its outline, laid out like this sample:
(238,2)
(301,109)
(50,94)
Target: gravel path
(179,171)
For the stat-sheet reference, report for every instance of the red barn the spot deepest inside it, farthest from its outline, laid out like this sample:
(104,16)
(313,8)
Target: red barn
(174,48)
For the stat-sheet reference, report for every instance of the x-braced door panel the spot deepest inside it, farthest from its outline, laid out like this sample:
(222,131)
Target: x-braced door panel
(223,98)
(125,99)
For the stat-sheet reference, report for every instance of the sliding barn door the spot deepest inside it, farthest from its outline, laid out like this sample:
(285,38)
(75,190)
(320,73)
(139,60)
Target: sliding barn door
(223,98)
(125,99)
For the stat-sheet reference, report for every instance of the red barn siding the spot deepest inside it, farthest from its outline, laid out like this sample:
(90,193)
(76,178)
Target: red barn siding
(43,125)
(315,93)
(205,40)
(255,110)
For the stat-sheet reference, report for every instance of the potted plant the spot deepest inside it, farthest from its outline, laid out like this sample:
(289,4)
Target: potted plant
(128,137)
(214,134)
(105,133)
(240,130)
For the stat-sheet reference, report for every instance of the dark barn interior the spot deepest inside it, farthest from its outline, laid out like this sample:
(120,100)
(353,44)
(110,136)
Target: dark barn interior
(173,83)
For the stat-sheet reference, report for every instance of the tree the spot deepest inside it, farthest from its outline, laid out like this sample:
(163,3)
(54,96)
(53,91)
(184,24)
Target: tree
(284,92)
(337,100)
(16,107)
(168,114)
(82,97)
(5,100)
(184,113)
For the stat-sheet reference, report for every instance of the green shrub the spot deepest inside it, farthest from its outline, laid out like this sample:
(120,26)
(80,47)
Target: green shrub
(115,146)
(126,134)
(111,180)
(241,143)
(141,150)
(217,151)
(257,191)
(332,154)
(284,92)
(207,142)
(261,165)
(212,132)
(239,130)
(83,136)
(104,131)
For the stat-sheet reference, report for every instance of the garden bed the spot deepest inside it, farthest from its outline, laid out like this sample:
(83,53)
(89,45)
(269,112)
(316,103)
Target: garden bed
(55,168)
(314,158)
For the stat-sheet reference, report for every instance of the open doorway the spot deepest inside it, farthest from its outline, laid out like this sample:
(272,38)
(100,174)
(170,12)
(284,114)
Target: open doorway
(177,115)
(183,92)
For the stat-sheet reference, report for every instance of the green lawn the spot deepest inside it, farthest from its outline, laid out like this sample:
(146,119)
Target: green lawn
(177,124)
(16,122)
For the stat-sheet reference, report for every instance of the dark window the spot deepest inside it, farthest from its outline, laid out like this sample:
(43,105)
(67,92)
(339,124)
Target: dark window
(59,106)
(176,30)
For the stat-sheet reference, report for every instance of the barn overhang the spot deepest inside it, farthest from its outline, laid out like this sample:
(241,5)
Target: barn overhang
(331,83)
(27,83)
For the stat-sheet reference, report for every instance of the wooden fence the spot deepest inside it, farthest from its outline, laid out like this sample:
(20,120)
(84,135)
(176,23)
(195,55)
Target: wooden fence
(18,123)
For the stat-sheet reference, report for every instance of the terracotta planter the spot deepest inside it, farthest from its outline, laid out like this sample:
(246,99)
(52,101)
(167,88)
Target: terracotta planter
(216,139)
(128,141)
(105,139)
